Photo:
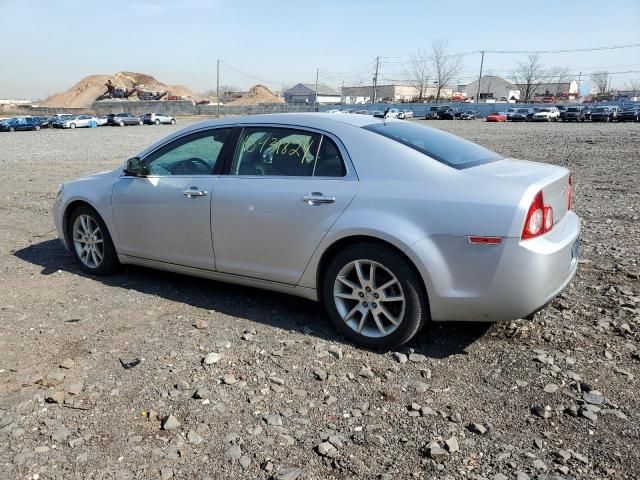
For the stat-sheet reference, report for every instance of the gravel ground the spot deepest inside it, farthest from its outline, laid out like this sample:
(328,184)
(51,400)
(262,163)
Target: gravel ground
(113,377)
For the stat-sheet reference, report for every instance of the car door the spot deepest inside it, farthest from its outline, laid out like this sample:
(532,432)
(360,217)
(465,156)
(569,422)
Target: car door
(164,214)
(284,189)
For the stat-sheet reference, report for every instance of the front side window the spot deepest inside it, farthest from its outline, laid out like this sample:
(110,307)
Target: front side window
(275,151)
(195,154)
(441,146)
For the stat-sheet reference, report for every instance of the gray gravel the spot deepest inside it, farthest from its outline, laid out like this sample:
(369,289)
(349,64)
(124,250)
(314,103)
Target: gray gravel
(286,398)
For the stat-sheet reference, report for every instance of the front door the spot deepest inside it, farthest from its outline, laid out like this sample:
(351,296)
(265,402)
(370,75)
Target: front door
(284,191)
(165,213)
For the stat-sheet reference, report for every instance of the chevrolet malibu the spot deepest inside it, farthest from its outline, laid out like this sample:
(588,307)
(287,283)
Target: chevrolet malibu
(389,224)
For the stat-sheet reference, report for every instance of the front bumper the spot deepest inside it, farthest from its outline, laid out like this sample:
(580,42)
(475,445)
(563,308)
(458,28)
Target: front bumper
(494,283)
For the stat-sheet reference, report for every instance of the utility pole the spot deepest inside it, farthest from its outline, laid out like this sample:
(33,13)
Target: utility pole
(375,81)
(315,96)
(218,86)
(342,93)
(480,77)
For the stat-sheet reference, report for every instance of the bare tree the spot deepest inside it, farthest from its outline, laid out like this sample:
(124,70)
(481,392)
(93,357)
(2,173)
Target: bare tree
(420,72)
(527,75)
(558,76)
(446,66)
(633,86)
(600,80)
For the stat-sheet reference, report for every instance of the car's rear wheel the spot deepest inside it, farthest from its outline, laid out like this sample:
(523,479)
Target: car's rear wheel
(173,121)
(36,128)
(121,123)
(157,122)
(90,242)
(11,129)
(73,125)
(374,296)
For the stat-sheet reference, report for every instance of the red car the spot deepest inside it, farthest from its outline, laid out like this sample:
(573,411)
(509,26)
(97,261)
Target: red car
(497,117)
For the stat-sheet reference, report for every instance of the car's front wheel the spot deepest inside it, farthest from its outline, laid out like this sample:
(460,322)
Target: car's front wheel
(374,296)
(90,242)
(157,122)
(173,121)
(121,123)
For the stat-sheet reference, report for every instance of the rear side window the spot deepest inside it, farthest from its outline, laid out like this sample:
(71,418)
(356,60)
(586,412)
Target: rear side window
(286,152)
(441,146)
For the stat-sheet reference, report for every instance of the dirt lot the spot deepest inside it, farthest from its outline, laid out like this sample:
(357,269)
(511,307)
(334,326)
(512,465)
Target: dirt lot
(556,397)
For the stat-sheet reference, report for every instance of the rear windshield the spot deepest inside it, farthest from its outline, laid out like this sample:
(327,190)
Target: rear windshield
(573,109)
(441,146)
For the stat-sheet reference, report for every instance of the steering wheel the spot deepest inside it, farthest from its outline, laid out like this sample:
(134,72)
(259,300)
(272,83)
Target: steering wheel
(196,163)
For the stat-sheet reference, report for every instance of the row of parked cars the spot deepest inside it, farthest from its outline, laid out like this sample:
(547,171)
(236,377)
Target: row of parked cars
(391,113)
(573,113)
(64,120)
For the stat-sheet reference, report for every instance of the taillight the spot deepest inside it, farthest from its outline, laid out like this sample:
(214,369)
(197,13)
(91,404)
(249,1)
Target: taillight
(569,192)
(539,218)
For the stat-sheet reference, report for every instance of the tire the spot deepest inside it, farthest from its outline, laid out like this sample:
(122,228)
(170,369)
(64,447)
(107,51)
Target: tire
(37,128)
(121,123)
(73,125)
(109,261)
(173,121)
(410,314)
(140,122)
(157,122)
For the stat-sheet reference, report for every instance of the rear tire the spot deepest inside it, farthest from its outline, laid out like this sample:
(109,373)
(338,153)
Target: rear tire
(173,121)
(36,128)
(11,129)
(140,122)
(157,122)
(366,311)
(73,125)
(90,242)
(121,123)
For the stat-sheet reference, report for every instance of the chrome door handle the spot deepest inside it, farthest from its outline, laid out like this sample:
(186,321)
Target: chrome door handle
(194,192)
(316,198)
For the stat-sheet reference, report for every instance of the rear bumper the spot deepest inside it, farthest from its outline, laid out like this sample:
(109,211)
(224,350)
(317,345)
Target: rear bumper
(503,282)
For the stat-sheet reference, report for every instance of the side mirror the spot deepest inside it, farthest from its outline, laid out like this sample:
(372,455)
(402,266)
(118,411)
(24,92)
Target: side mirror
(133,167)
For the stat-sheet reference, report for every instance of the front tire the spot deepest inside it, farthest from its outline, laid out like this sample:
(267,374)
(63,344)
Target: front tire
(90,242)
(121,123)
(157,122)
(374,296)
(173,121)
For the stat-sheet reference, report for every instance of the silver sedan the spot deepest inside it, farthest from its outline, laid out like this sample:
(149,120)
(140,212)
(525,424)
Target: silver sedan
(389,224)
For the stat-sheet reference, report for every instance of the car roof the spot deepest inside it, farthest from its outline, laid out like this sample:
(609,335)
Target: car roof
(329,122)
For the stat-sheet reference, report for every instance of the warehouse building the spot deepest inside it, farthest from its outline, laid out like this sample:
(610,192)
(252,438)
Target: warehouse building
(306,93)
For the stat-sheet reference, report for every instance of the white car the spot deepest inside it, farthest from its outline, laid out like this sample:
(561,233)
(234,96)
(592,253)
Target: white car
(547,114)
(392,113)
(102,120)
(333,111)
(158,118)
(404,114)
(80,121)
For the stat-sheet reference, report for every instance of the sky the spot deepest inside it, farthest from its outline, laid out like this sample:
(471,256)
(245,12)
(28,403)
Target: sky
(48,45)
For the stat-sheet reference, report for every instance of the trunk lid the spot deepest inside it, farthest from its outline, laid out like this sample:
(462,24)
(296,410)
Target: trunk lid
(532,177)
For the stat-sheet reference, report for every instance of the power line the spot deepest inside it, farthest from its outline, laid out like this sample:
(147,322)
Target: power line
(569,50)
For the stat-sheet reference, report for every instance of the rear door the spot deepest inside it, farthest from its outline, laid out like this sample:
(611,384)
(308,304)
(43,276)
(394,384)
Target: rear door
(284,189)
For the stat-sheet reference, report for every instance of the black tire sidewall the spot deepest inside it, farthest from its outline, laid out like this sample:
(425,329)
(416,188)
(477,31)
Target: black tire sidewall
(110,259)
(416,304)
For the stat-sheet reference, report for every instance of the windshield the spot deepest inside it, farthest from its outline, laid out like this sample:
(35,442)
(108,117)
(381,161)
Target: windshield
(602,109)
(441,146)
(523,110)
(629,108)
(544,110)
(573,109)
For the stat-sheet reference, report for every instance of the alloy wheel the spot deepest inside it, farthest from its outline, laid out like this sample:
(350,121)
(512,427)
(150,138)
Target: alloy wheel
(369,298)
(88,241)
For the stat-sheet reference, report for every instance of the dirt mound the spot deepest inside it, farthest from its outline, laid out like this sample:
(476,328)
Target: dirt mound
(87,90)
(256,95)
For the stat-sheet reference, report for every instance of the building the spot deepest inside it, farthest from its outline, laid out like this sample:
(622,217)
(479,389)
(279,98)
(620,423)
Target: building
(395,93)
(565,90)
(492,89)
(306,93)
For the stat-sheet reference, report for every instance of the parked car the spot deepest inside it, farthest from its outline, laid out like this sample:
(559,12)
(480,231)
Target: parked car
(158,118)
(59,118)
(630,113)
(450,114)
(510,112)
(377,113)
(497,117)
(561,109)
(604,113)
(79,121)
(499,230)
(362,112)
(20,124)
(431,114)
(404,114)
(392,113)
(523,115)
(587,110)
(122,119)
(547,114)
(574,113)
(441,110)
(468,115)
(103,120)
